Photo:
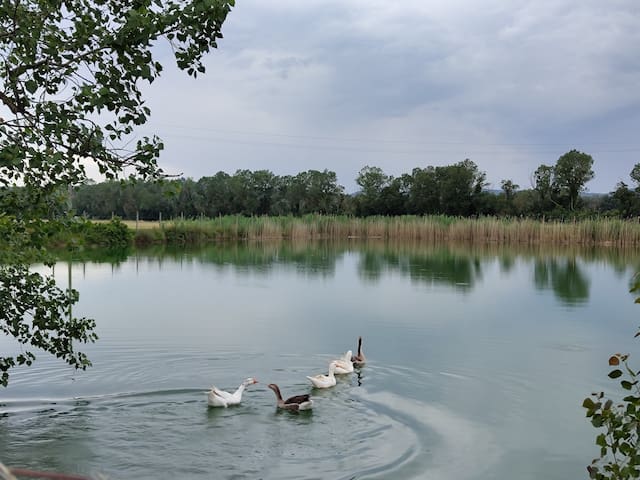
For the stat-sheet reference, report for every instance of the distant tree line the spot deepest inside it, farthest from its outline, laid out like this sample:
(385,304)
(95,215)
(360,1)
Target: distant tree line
(246,192)
(459,189)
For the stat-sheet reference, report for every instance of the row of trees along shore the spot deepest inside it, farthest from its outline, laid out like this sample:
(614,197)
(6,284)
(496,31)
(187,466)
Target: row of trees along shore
(459,189)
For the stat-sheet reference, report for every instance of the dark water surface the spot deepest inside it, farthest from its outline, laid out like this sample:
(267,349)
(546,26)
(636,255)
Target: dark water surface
(479,359)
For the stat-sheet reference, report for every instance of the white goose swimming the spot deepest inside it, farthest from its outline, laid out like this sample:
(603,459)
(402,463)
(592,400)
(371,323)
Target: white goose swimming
(325,381)
(220,398)
(344,365)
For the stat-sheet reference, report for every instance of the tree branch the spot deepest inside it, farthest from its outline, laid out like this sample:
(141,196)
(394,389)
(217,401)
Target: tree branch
(12,106)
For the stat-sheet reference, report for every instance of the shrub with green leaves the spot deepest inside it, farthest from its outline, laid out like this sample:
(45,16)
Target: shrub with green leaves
(109,234)
(619,421)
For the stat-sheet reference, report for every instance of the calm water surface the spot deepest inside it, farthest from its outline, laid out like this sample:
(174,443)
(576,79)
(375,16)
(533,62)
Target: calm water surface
(479,360)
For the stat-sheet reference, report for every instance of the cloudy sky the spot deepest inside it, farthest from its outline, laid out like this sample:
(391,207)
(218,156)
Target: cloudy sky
(340,84)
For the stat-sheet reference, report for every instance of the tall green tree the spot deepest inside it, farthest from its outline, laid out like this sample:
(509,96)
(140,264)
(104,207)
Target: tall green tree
(214,196)
(314,191)
(509,189)
(625,200)
(525,202)
(372,181)
(187,198)
(572,171)
(545,187)
(251,192)
(394,197)
(70,89)
(459,186)
(424,192)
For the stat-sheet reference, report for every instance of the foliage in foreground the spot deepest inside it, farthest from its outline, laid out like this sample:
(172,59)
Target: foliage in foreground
(35,311)
(71,79)
(619,422)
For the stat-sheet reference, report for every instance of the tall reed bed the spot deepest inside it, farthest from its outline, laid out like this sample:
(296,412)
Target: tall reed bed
(423,228)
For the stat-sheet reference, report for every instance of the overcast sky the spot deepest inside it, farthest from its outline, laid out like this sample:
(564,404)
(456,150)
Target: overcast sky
(315,84)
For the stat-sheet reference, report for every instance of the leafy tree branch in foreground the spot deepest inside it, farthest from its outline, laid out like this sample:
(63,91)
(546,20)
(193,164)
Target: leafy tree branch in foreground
(70,92)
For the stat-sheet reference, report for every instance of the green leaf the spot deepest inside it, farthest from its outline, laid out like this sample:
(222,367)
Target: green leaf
(615,373)
(625,448)
(31,86)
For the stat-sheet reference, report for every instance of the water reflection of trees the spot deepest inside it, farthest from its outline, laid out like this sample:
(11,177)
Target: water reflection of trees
(564,277)
(256,257)
(555,268)
(439,266)
(459,265)
(114,256)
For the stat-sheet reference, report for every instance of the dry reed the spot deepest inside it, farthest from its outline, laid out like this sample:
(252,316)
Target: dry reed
(423,228)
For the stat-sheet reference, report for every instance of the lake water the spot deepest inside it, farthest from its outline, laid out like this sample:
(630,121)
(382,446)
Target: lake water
(479,359)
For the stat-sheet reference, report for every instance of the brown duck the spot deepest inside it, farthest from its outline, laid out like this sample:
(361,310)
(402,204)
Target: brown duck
(359,359)
(299,402)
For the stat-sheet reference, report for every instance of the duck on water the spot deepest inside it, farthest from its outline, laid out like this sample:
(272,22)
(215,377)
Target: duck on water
(359,359)
(344,365)
(220,398)
(325,381)
(298,402)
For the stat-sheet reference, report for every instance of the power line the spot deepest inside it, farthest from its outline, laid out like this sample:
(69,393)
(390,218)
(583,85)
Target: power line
(389,141)
(465,149)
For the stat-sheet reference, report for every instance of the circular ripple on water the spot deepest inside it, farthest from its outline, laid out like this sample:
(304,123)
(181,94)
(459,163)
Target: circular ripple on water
(358,429)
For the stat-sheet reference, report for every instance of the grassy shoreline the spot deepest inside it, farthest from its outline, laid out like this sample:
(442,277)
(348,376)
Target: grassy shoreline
(428,229)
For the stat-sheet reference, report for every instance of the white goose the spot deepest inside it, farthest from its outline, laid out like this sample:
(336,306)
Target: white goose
(344,364)
(220,398)
(325,381)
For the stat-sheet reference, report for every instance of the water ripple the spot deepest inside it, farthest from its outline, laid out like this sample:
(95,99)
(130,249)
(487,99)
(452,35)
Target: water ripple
(462,447)
(358,429)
